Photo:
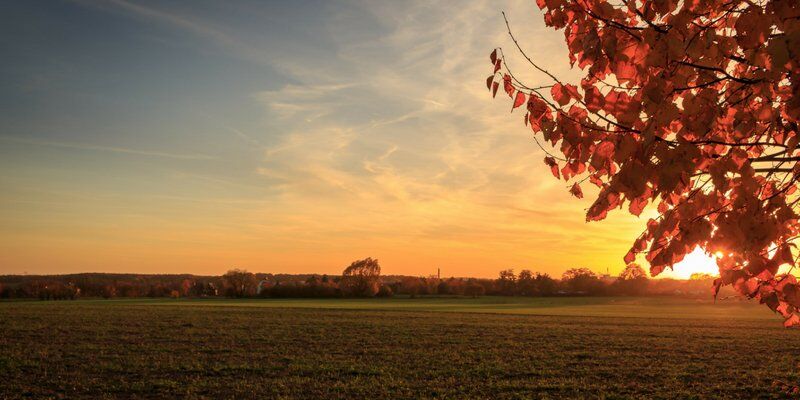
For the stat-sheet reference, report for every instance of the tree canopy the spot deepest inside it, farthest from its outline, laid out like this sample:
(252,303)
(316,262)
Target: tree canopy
(688,106)
(631,272)
(361,278)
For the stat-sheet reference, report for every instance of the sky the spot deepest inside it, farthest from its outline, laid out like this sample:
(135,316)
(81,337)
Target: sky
(284,137)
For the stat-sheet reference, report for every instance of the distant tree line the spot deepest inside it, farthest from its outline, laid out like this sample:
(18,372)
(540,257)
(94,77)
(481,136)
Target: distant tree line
(362,278)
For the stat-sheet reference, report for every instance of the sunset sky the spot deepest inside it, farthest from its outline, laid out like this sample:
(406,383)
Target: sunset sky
(172,137)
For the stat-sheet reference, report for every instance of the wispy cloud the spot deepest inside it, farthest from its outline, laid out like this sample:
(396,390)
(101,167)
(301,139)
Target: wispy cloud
(216,36)
(246,138)
(113,149)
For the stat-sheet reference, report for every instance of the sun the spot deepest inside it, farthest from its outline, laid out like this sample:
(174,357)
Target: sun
(696,262)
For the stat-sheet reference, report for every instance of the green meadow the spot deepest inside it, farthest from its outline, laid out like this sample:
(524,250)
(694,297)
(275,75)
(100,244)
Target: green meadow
(395,348)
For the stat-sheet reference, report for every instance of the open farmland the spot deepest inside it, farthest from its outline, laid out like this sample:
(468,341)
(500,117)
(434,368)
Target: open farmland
(394,348)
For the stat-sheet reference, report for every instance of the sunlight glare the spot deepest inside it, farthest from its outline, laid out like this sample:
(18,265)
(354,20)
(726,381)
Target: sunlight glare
(696,262)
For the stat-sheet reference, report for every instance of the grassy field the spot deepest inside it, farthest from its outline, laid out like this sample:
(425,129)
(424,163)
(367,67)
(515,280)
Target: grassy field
(394,348)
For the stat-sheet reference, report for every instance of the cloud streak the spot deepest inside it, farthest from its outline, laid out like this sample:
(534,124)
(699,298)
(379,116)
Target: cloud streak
(220,39)
(112,149)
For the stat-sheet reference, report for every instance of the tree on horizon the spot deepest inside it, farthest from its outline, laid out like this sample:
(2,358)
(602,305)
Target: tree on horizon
(361,278)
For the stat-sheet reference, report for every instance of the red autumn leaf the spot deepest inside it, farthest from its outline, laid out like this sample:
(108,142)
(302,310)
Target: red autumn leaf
(519,100)
(551,162)
(771,300)
(536,106)
(629,257)
(489,82)
(572,169)
(739,157)
(783,255)
(637,206)
(604,149)
(508,86)
(752,28)
(791,293)
(792,322)
(594,99)
(576,191)
(784,309)
(563,94)
(493,57)
(625,71)
(656,269)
